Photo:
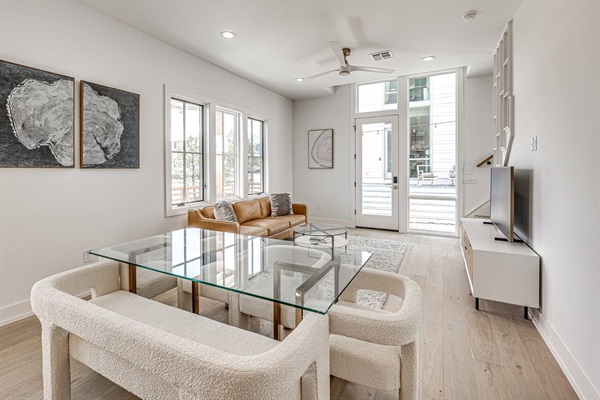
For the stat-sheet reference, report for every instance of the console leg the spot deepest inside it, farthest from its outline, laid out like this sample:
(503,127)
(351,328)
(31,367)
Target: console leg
(477,303)
(526,312)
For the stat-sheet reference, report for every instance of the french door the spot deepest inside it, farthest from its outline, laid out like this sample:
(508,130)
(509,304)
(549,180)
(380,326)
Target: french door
(378,158)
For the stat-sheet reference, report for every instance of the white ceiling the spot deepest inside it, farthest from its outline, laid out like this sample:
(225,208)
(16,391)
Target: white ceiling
(278,41)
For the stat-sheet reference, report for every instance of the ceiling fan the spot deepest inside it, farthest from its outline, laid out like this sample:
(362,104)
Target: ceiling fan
(345,68)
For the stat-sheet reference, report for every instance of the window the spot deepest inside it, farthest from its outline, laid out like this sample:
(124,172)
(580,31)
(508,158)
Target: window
(187,148)
(378,96)
(227,166)
(255,157)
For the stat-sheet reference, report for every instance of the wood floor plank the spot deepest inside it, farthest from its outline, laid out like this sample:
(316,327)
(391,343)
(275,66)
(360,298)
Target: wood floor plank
(554,382)
(491,382)
(459,375)
(518,369)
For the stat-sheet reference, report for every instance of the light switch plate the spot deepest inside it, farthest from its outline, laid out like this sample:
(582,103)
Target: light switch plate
(533,143)
(468,171)
(469,179)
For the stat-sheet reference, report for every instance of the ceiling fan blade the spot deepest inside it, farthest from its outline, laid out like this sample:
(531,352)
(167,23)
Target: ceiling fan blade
(322,74)
(371,69)
(337,50)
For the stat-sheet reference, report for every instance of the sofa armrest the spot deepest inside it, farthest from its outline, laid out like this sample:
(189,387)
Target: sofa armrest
(300,209)
(197,220)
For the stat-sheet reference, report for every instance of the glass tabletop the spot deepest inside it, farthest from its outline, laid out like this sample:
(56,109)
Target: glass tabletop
(320,229)
(270,269)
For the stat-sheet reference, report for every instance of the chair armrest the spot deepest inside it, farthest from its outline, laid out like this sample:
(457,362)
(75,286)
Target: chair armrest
(392,329)
(197,220)
(301,209)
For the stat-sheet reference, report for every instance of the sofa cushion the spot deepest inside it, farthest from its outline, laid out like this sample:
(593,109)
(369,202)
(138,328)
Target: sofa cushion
(208,212)
(293,220)
(272,225)
(281,204)
(247,210)
(224,212)
(185,324)
(265,206)
(254,231)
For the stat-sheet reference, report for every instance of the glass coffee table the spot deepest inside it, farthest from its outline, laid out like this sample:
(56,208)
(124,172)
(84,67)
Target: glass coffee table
(322,236)
(308,279)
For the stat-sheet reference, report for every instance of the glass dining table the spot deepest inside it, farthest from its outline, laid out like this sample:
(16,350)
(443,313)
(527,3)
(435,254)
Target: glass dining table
(308,279)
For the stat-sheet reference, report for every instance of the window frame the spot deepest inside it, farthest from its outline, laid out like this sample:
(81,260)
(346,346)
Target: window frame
(209,145)
(186,96)
(262,157)
(238,148)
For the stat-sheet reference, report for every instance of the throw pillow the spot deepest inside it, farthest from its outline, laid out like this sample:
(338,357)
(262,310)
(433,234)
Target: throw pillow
(281,204)
(224,212)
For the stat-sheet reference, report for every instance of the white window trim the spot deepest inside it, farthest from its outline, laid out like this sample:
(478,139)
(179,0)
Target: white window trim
(210,106)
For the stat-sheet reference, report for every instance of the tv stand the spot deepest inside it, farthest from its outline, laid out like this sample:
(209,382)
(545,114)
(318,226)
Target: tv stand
(499,270)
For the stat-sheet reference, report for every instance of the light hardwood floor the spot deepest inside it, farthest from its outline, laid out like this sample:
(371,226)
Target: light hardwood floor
(465,354)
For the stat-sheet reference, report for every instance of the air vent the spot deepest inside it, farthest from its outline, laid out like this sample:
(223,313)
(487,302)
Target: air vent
(381,55)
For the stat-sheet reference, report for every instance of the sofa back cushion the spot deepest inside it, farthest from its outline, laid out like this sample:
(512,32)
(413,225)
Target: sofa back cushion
(247,210)
(208,212)
(265,207)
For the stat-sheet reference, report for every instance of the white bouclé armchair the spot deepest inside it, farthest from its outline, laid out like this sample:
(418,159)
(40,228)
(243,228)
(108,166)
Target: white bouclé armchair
(378,348)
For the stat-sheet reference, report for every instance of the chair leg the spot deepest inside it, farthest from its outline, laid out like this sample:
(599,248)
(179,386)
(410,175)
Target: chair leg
(55,363)
(410,382)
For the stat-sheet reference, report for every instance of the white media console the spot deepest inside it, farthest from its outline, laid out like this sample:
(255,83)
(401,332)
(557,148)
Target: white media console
(499,270)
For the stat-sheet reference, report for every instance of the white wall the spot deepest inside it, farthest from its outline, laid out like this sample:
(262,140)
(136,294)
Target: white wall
(329,188)
(479,136)
(557,99)
(48,217)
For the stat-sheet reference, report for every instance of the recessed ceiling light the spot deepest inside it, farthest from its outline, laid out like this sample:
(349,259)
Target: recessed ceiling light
(228,34)
(470,15)
(299,79)
(428,58)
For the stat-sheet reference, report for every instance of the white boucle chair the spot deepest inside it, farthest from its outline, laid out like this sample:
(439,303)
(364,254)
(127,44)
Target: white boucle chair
(378,348)
(161,352)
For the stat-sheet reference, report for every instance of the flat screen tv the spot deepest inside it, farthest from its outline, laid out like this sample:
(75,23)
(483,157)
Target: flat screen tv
(502,200)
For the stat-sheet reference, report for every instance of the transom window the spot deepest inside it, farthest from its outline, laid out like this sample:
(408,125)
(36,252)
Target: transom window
(256,159)
(187,155)
(378,96)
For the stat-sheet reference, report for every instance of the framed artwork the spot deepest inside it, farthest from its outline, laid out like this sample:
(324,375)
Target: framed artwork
(37,112)
(320,149)
(110,127)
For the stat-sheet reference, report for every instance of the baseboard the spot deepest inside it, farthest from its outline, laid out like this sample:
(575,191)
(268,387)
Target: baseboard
(21,310)
(15,312)
(342,222)
(578,379)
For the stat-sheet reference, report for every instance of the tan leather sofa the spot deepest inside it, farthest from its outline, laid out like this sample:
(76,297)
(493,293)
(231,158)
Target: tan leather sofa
(254,219)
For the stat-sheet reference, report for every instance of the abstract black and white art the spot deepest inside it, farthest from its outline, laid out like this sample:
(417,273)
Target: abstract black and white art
(36,118)
(110,127)
(320,148)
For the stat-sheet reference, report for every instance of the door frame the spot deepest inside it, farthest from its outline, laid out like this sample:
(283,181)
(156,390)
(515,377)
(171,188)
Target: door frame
(402,149)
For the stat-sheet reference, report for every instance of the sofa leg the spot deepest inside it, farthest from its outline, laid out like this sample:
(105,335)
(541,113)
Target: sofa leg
(55,363)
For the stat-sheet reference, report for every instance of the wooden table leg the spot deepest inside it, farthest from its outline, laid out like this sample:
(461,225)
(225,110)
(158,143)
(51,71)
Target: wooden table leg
(195,298)
(276,320)
(298,316)
(132,278)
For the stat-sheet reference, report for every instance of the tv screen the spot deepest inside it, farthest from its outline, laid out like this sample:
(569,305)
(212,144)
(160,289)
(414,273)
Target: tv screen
(502,200)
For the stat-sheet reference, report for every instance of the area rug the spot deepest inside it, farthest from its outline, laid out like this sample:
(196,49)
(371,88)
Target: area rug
(387,256)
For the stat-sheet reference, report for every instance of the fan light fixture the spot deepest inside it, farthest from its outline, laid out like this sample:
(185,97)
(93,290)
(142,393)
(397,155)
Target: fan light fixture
(299,79)
(228,34)
(428,58)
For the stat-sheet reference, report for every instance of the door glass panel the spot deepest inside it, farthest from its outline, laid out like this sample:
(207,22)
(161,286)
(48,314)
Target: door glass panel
(432,215)
(376,169)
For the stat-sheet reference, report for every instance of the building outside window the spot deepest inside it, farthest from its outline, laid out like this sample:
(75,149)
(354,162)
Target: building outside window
(187,153)
(256,161)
